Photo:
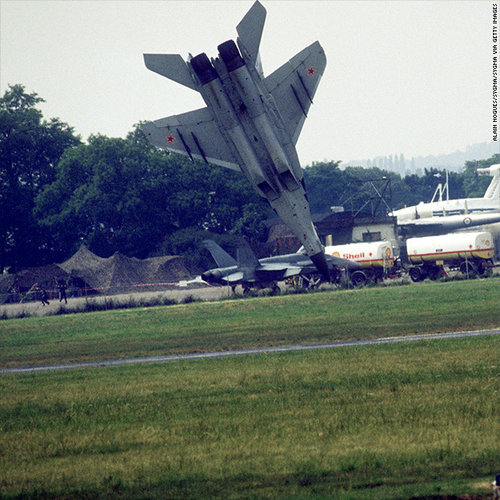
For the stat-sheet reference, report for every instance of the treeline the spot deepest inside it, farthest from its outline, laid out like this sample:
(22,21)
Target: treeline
(57,192)
(328,185)
(110,194)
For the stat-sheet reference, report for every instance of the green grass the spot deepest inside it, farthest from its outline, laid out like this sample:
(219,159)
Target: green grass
(378,422)
(263,321)
(416,420)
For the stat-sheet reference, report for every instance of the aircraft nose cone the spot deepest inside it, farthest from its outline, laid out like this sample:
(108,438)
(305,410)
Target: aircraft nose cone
(319,261)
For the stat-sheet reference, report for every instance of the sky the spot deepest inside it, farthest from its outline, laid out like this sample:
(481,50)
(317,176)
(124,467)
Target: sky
(411,77)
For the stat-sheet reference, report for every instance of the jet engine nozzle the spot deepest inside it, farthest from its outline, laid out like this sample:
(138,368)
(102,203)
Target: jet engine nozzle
(203,68)
(230,55)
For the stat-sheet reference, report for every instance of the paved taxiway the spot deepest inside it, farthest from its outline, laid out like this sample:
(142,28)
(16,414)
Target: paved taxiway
(75,304)
(244,352)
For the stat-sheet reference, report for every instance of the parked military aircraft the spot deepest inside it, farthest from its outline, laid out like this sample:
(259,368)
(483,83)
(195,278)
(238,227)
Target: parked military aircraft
(248,271)
(251,123)
(445,215)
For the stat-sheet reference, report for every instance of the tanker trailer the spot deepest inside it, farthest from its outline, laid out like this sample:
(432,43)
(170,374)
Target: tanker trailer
(468,252)
(374,257)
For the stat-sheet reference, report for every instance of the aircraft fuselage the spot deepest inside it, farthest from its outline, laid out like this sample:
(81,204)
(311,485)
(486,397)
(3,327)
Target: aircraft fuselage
(447,215)
(251,123)
(252,127)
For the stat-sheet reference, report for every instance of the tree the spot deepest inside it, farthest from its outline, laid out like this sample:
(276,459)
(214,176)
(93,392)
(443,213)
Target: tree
(110,194)
(325,185)
(329,186)
(30,147)
(123,195)
(475,186)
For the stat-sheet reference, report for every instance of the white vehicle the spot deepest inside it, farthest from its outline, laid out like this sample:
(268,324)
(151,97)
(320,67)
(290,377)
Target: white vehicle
(469,252)
(374,257)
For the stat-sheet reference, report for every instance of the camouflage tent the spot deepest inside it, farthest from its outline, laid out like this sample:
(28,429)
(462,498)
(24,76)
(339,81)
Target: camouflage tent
(25,284)
(86,273)
(119,274)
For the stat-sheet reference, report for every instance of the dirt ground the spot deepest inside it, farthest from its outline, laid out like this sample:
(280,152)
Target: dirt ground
(75,304)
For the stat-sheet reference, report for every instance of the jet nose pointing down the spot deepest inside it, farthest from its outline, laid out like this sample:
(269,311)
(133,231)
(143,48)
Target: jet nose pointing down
(319,260)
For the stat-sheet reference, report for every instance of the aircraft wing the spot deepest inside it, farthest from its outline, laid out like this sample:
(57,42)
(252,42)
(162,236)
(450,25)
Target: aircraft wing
(282,267)
(294,84)
(306,266)
(194,134)
(293,271)
(234,277)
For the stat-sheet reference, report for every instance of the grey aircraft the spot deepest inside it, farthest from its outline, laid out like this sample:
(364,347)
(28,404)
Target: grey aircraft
(250,272)
(444,215)
(251,123)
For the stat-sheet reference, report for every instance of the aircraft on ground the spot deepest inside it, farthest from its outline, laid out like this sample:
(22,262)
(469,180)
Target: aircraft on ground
(445,215)
(251,123)
(248,271)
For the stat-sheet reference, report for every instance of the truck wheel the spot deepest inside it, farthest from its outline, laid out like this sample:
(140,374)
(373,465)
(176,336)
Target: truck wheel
(358,278)
(468,268)
(416,274)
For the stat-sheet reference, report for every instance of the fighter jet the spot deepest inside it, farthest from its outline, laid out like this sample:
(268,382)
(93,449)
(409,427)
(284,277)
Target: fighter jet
(251,123)
(250,272)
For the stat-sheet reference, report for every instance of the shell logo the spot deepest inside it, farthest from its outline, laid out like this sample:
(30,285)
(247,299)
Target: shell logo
(487,243)
(335,254)
(388,252)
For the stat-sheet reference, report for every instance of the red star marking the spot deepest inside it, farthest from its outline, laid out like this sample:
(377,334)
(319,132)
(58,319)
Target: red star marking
(311,71)
(170,138)
(470,246)
(371,254)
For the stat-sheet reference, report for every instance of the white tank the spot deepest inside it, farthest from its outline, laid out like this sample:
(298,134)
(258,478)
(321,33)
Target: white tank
(450,247)
(373,254)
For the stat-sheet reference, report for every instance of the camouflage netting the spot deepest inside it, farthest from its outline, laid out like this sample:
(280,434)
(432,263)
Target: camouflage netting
(118,273)
(86,273)
(26,283)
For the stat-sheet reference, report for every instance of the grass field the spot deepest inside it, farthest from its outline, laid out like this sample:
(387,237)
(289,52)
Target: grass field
(263,321)
(389,421)
(416,420)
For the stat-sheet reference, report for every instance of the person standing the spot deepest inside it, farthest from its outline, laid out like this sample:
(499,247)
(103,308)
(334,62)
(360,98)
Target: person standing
(61,285)
(44,297)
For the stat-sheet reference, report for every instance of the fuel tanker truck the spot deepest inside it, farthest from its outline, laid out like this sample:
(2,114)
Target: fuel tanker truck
(469,252)
(374,257)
